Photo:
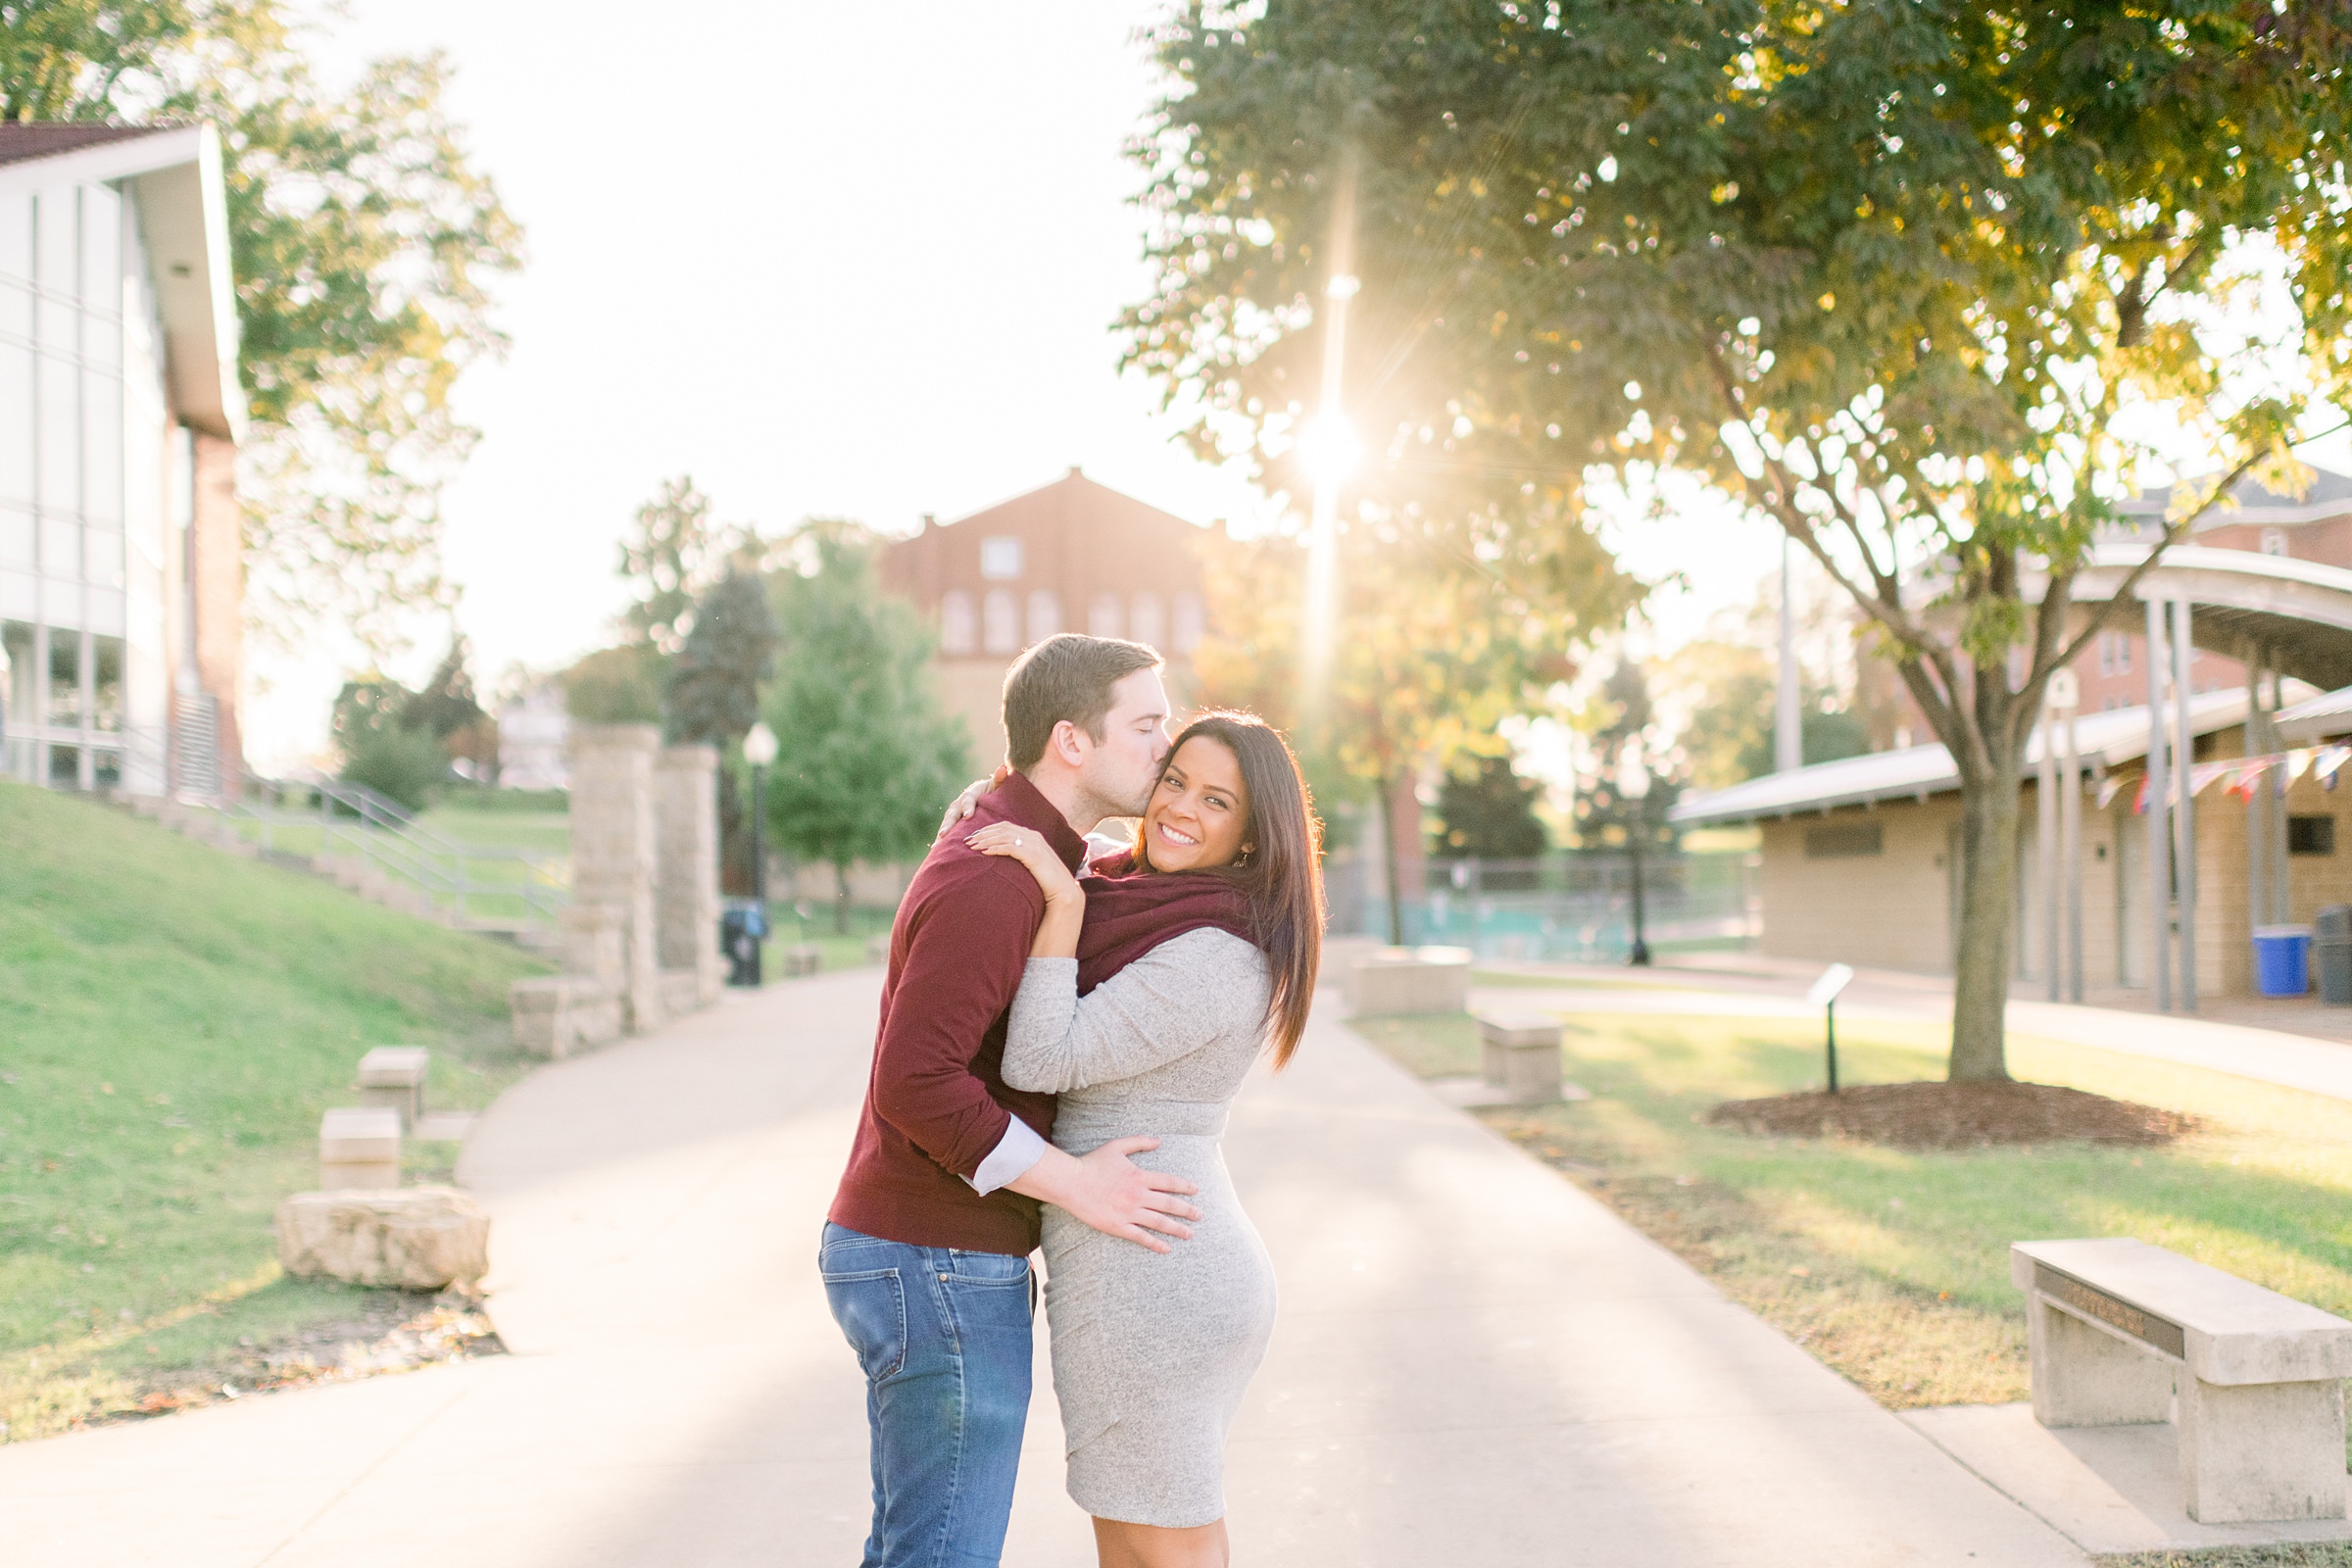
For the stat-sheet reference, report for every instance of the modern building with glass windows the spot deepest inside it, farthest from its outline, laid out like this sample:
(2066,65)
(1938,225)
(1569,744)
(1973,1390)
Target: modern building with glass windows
(121,574)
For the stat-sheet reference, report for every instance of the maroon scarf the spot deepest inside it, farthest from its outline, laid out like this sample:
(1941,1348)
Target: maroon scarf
(1129,913)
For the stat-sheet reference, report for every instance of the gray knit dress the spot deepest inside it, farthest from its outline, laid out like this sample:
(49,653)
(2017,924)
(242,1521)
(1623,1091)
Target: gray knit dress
(1152,1351)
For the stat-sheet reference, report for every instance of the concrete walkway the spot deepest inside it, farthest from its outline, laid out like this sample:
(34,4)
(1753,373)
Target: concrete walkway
(1767,987)
(1475,1363)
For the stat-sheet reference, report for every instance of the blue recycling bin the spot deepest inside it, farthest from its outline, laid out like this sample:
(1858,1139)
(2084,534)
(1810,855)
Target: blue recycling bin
(2282,960)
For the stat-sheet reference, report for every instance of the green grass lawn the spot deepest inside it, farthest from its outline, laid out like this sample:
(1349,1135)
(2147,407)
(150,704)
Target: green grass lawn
(172,1020)
(1892,1266)
(794,927)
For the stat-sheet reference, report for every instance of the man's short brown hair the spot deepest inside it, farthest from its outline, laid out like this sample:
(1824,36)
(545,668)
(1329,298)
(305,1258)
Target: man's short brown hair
(1065,676)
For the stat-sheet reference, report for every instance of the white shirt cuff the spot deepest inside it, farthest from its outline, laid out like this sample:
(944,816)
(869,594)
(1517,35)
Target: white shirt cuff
(1019,1148)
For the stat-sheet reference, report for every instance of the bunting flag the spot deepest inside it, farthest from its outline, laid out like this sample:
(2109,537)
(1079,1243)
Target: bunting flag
(2245,775)
(2330,759)
(2296,763)
(2205,773)
(2108,786)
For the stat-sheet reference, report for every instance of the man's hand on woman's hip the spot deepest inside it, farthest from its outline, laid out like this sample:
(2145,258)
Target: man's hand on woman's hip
(1109,1191)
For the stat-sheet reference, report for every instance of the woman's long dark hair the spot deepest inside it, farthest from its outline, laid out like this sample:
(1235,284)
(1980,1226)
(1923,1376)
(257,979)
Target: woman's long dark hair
(1282,874)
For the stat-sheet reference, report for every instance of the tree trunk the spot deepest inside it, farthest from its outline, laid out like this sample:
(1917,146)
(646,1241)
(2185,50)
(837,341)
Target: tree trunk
(1388,859)
(841,899)
(1988,873)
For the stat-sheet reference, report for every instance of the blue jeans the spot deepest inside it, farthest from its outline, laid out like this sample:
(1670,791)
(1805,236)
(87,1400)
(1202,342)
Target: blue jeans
(944,1338)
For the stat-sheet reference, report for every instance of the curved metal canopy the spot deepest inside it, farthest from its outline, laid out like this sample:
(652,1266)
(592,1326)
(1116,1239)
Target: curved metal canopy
(2297,613)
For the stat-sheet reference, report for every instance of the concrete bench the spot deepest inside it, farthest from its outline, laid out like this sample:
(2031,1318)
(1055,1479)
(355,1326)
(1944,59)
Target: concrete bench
(1519,1054)
(359,1146)
(2121,1333)
(1409,980)
(394,1076)
(806,959)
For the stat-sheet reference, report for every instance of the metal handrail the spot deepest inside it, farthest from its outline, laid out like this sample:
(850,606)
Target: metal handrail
(385,835)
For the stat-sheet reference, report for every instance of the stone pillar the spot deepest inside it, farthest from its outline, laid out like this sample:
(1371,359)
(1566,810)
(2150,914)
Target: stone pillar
(612,854)
(686,883)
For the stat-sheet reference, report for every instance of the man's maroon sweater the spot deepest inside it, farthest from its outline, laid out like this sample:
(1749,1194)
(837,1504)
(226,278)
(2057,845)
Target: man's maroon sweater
(936,1104)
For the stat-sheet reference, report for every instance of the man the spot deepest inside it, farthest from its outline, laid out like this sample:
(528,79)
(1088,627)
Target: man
(927,1252)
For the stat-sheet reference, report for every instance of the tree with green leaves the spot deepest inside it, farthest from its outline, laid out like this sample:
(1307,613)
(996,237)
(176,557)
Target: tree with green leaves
(865,759)
(673,554)
(362,239)
(1429,653)
(714,695)
(1488,811)
(1910,279)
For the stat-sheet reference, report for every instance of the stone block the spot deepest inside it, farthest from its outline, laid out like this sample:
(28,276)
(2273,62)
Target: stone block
(556,1014)
(803,958)
(686,873)
(1340,955)
(418,1238)
(2087,1377)
(595,941)
(394,1076)
(359,1146)
(681,992)
(1409,980)
(1520,1053)
(2262,1453)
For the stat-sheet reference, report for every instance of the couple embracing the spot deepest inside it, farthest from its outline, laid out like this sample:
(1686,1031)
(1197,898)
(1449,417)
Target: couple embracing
(1059,1043)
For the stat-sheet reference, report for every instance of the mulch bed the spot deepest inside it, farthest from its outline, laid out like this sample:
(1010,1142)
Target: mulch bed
(1948,1115)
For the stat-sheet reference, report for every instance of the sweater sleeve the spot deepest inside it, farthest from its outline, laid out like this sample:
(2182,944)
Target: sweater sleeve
(961,969)
(1170,1002)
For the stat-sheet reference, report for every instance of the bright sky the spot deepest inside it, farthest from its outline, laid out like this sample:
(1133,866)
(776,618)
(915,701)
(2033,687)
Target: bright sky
(824,266)
(827,266)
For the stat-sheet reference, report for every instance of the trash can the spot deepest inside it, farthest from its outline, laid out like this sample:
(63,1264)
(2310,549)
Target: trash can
(2282,960)
(741,926)
(2331,951)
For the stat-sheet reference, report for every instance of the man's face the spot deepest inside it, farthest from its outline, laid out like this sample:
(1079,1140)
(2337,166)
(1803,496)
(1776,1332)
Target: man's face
(1121,769)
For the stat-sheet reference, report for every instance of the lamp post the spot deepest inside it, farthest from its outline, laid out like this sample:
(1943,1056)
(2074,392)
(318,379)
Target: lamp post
(758,749)
(1632,787)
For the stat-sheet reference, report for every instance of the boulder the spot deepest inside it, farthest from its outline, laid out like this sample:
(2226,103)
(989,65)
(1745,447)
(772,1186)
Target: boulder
(417,1238)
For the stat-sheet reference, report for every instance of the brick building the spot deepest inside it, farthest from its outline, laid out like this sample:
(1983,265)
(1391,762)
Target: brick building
(2114,670)
(1075,555)
(122,578)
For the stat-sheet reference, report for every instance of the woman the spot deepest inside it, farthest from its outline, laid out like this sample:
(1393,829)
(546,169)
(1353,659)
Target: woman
(1150,990)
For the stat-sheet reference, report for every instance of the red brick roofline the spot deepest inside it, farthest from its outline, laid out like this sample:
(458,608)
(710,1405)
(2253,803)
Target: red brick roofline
(22,139)
(1076,477)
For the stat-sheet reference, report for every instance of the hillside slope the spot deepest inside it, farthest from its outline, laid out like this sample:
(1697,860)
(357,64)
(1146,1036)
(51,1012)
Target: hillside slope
(172,1020)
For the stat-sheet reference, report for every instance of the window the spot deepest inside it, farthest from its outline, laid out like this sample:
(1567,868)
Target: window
(1191,622)
(1841,840)
(2115,653)
(106,694)
(64,678)
(20,683)
(958,628)
(999,623)
(1000,559)
(1102,616)
(2311,835)
(1045,615)
(1146,623)
(2273,541)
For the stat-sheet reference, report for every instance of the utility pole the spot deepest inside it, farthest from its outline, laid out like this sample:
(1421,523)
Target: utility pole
(1788,730)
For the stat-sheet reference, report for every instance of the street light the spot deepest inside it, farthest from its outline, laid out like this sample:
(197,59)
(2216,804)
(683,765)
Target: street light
(758,749)
(1632,787)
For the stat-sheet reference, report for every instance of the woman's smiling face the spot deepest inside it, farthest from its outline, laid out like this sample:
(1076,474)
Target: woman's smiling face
(1198,811)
